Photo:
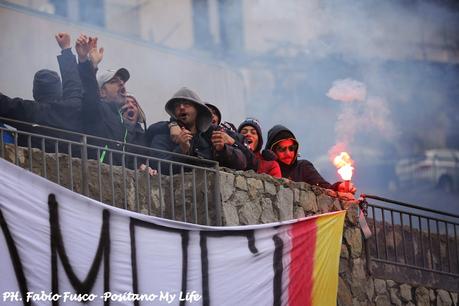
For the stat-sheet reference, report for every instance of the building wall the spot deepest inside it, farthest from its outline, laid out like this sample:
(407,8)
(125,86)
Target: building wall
(28,44)
(167,22)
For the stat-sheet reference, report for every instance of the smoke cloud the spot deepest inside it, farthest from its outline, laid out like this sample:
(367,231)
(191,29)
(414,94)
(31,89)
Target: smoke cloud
(347,90)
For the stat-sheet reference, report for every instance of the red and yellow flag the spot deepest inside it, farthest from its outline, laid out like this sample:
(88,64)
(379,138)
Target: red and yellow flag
(314,260)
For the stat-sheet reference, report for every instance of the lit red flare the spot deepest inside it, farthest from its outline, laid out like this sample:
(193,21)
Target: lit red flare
(344,163)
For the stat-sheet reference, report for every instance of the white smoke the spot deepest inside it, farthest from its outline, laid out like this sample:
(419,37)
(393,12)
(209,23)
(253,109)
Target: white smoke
(347,90)
(371,117)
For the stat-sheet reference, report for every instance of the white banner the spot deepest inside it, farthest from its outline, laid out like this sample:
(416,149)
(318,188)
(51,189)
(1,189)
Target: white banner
(58,247)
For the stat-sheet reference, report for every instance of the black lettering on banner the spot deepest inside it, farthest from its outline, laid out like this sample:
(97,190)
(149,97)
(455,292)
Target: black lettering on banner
(249,234)
(15,259)
(185,240)
(58,248)
(278,270)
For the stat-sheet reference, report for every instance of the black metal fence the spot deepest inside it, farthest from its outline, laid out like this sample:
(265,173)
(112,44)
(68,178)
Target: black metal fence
(414,237)
(185,188)
(188,189)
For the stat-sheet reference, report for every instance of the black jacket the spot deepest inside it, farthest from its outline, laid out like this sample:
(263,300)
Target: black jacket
(72,89)
(299,170)
(71,98)
(304,171)
(201,147)
(62,113)
(104,119)
(52,114)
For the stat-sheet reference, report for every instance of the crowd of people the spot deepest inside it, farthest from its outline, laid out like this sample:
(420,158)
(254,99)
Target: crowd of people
(96,102)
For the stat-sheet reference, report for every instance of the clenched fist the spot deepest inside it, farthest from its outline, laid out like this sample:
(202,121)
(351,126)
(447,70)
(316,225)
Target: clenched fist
(218,140)
(63,40)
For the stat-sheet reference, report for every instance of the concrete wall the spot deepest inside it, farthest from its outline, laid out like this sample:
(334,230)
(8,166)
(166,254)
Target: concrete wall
(27,44)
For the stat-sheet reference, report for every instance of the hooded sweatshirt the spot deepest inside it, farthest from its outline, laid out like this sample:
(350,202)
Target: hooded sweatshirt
(200,144)
(263,165)
(298,170)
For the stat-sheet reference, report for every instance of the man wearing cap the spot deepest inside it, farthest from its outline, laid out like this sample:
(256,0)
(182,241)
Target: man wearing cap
(284,144)
(197,138)
(103,101)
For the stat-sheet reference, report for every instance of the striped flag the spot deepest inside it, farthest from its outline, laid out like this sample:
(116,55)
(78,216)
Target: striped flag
(314,260)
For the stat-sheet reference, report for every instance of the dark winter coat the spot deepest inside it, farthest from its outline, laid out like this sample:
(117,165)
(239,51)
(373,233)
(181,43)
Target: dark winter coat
(299,170)
(104,119)
(58,112)
(200,147)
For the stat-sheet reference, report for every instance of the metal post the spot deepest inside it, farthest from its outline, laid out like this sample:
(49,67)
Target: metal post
(182,175)
(43,156)
(99,175)
(217,196)
(160,186)
(136,178)
(206,202)
(70,167)
(2,152)
(29,149)
(84,166)
(195,206)
(56,149)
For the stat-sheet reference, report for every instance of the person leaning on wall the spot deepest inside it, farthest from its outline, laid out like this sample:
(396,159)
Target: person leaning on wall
(195,137)
(56,104)
(284,144)
(105,111)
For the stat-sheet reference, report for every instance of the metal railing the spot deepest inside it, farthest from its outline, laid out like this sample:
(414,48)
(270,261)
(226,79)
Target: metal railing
(414,237)
(184,189)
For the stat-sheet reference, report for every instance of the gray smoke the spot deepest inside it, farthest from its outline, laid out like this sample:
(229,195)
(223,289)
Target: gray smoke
(404,102)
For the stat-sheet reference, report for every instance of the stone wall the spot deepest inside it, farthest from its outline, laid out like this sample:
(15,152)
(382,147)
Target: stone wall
(249,198)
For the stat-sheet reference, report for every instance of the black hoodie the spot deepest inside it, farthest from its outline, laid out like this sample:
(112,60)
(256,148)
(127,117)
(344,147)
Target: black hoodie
(298,170)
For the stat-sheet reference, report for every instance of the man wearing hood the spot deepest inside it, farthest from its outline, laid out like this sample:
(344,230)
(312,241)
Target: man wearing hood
(196,137)
(284,144)
(216,114)
(104,100)
(265,161)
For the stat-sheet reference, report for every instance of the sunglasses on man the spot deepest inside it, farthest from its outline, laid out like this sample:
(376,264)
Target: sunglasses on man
(291,148)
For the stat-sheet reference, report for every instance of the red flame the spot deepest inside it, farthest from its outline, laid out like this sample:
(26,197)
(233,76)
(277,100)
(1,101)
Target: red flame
(344,164)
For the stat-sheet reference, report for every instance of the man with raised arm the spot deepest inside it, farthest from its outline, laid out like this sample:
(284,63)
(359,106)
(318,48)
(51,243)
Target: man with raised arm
(58,104)
(103,104)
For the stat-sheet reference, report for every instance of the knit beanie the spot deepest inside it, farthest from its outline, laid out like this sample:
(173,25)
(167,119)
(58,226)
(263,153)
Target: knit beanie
(47,85)
(256,125)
